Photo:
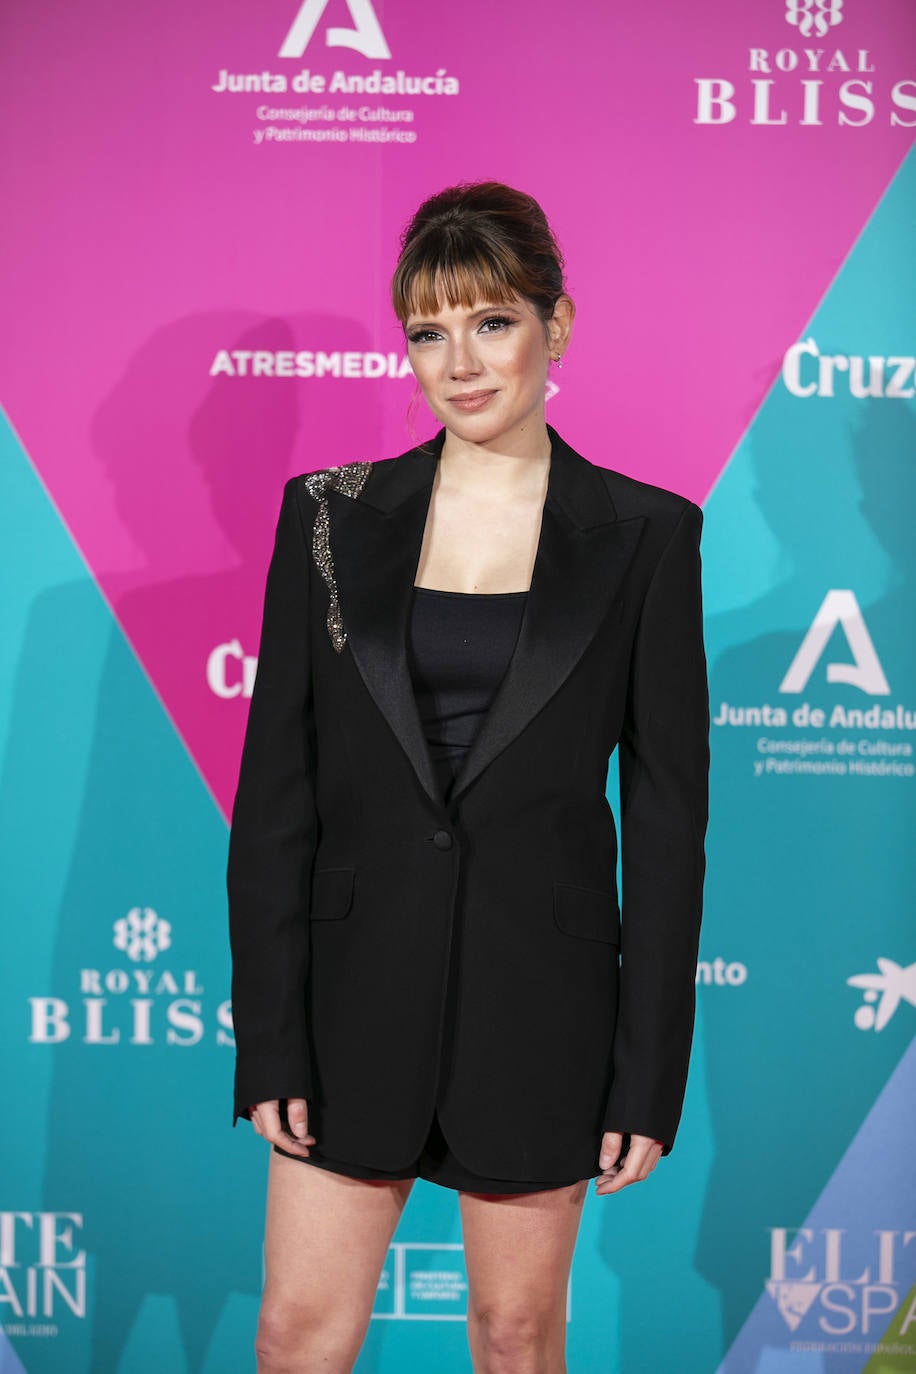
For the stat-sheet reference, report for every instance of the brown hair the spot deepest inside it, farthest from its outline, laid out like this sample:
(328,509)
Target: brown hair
(477,241)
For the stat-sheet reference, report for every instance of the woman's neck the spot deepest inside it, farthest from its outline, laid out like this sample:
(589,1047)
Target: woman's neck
(512,468)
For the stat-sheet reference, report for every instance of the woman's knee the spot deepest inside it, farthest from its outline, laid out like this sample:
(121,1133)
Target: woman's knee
(291,1333)
(517,1340)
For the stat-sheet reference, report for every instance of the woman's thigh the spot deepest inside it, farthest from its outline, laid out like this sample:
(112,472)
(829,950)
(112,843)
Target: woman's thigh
(518,1250)
(326,1239)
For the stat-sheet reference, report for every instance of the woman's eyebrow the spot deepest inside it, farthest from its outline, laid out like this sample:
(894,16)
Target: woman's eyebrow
(488,309)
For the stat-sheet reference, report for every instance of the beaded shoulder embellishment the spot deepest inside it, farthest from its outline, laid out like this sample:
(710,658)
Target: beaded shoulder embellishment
(349,478)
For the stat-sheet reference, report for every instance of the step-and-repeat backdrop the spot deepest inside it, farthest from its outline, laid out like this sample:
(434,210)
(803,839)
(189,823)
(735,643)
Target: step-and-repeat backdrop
(202,210)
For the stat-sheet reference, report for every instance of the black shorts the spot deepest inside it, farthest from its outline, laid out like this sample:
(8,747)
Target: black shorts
(436,1164)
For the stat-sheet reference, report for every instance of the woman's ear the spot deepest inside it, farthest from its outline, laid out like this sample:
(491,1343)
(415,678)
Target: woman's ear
(559,326)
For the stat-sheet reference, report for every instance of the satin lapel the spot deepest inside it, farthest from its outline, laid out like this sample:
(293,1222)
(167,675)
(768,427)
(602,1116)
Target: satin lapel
(582,558)
(376,548)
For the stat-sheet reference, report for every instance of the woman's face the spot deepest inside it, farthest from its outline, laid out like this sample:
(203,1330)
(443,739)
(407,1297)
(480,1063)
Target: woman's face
(483,368)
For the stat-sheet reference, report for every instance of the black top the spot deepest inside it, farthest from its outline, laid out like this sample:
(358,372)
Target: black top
(459,646)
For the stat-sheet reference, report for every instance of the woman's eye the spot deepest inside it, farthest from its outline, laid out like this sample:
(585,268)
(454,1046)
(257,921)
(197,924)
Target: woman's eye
(493,324)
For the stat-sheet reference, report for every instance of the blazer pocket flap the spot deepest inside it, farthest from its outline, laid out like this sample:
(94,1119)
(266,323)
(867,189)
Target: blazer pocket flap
(332,893)
(587,913)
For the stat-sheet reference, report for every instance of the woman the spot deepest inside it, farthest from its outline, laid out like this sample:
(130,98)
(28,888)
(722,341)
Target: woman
(430,975)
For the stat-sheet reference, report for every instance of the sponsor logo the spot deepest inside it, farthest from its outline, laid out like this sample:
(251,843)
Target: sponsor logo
(865,672)
(882,993)
(319,365)
(422,1282)
(141,934)
(366,35)
(808,86)
(322,124)
(325,123)
(42,1271)
(814,16)
(836,1284)
(230,671)
(721,973)
(865,755)
(355,366)
(133,1005)
(875,376)
(308,82)
(426,1281)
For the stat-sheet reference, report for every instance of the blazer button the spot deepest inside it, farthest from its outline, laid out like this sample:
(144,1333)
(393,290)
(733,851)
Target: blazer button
(442,839)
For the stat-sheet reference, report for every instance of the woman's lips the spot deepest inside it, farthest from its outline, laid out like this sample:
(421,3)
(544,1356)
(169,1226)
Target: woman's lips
(474,400)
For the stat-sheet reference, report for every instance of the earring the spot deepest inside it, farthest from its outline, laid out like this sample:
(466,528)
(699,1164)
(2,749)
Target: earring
(558,360)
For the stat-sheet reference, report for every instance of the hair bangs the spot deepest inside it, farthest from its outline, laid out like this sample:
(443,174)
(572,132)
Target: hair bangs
(435,278)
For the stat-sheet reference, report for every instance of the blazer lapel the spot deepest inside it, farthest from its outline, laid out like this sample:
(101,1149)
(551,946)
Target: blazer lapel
(375,544)
(582,556)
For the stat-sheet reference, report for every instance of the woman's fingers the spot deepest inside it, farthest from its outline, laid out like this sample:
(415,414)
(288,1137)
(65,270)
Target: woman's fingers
(297,1114)
(268,1122)
(611,1145)
(636,1166)
(265,1117)
(255,1110)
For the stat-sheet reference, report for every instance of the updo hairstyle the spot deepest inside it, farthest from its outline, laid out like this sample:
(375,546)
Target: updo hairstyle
(477,241)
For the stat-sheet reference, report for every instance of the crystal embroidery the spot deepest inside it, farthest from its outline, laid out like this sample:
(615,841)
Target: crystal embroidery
(349,478)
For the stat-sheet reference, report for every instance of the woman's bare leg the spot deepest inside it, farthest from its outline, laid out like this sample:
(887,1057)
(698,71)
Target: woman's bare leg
(325,1244)
(519,1249)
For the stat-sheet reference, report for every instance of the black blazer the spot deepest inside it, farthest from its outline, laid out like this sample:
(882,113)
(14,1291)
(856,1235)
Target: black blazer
(347,871)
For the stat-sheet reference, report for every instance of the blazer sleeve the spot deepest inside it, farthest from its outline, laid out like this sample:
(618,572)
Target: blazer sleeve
(272,838)
(664,799)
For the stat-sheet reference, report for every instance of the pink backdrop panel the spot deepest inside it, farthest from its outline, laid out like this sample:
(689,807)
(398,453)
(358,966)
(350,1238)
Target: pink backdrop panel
(155,240)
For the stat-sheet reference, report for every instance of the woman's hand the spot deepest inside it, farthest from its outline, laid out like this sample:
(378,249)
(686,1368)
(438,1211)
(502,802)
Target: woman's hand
(636,1165)
(265,1118)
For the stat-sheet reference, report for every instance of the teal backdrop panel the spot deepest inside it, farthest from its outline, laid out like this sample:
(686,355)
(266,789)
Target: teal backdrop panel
(120,1184)
(811,606)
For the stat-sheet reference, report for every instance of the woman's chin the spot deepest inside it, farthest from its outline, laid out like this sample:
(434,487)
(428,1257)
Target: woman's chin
(485,428)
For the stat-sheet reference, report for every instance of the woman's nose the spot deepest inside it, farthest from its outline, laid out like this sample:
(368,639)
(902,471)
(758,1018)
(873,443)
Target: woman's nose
(461,361)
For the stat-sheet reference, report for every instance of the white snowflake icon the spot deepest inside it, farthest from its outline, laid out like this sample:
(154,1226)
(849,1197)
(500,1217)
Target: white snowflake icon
(141,934)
